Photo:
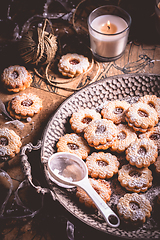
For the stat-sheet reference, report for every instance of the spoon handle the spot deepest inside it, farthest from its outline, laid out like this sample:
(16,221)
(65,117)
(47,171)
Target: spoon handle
(110,217)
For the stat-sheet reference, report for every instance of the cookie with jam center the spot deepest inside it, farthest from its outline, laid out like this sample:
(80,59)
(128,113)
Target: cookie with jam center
(24,105)
(16,78)
(10,143)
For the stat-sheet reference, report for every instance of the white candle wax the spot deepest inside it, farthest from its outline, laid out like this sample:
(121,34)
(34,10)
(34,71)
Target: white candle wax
(114,42)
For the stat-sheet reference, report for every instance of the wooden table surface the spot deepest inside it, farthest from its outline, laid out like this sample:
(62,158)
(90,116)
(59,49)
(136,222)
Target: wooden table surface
(142,55)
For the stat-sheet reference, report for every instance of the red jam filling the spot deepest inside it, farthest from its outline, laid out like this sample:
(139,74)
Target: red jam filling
(27,103)
(74,61)
(135,174)
(155,136)
(86,120)
(118,110)
(151,104)
(121,136)
(73,146)
(142,113)
(102,163)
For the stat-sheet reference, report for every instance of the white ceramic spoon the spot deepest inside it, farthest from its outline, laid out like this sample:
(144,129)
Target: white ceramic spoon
(68,169)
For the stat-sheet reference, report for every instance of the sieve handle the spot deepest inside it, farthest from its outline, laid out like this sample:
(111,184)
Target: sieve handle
(110,217)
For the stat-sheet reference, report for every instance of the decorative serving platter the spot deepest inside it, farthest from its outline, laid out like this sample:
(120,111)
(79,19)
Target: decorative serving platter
(129,87)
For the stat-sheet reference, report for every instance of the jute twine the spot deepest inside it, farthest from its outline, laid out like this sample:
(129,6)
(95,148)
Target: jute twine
(41,51)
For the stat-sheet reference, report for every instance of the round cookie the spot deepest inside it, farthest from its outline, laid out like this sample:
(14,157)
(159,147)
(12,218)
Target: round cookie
(134,208)
(152,101)
(10,143)
(100,132)
(73,143)
(154,135)
(72,64)
(16,78)
(24,105)
(141,117)
(125,135)
(135,179)
(142,153)
(115,111)
(102,165)
(80,119)
(102,187)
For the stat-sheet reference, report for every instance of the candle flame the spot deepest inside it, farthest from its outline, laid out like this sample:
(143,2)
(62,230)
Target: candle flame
(108,28)
(108,24)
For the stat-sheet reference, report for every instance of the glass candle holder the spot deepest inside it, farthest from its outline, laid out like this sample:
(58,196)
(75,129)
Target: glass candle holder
(108,31)
(157,15)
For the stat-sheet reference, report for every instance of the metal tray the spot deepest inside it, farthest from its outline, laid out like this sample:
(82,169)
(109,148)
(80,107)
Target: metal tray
(129,87)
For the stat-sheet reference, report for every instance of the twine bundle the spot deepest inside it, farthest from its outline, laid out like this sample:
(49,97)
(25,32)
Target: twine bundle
(38,47)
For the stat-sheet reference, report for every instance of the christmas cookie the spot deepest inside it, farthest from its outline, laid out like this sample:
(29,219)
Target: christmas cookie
(24,105)
(125,135)
(134,208)
(10,143)
(16,78)
(73,143)
(100,133)
(80,119)
(142,153)
(152,101)
(102,165)
(135,179)
(73,64)
(154,135)
(115,111)
(141,117)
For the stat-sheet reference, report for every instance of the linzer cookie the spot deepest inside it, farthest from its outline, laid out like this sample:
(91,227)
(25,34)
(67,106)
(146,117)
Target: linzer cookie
(141,117)
(73,143)
(102,165)
(125,135)
(10,143)
(24,105)
(142,153)
(80,119)
(154,135)
(152,101)
(100,133)
(134,208)
(16,78)
(73,64)
(115,111)
(135,179)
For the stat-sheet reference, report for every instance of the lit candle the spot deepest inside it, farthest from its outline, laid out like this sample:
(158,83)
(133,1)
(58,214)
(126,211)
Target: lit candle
(108,34)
